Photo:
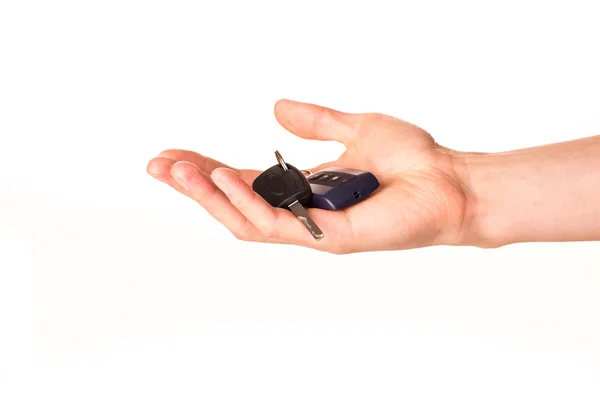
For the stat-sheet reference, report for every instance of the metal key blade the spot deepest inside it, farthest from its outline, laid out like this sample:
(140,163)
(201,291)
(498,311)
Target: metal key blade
(302,215)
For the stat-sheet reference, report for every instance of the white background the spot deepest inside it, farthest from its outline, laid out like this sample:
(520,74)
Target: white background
(114,286)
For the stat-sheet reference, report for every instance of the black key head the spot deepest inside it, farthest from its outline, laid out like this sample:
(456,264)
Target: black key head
(280,188)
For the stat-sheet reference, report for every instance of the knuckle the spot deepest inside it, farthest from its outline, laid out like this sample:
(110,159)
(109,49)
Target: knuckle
(270,230)
(339,250)
(348,246)
(379,118)
(241,202)
(374,116)
(246,233)
(241,236)
(170,153)
(275,218)
(207,196)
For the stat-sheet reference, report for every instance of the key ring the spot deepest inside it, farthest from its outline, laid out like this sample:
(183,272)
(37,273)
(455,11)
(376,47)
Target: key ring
(283,164)
(281,160)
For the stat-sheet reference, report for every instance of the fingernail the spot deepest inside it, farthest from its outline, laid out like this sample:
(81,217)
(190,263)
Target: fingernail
(152,169)
(179,179)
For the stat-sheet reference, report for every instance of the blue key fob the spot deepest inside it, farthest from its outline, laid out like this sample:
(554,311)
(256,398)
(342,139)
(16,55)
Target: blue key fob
(339,188)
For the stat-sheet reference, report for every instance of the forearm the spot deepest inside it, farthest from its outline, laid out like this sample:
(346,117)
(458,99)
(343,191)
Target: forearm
(548,193)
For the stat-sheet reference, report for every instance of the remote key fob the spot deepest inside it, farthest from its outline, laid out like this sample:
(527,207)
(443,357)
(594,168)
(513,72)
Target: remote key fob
(339,188)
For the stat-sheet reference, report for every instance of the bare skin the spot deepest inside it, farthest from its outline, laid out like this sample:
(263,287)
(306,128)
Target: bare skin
(429,195)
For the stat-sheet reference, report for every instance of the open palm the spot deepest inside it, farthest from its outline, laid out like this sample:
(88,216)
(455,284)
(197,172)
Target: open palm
(420,202)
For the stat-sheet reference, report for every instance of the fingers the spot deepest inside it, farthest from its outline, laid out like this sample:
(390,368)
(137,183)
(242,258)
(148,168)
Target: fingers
(198,186)
(310,121)
(231,201)
(160,168)
(274,224)
(206,164)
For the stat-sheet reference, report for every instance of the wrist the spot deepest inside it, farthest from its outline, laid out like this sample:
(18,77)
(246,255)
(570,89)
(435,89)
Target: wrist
(485,223)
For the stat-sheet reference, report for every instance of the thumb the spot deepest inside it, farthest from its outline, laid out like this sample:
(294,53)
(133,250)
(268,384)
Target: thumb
(314,122)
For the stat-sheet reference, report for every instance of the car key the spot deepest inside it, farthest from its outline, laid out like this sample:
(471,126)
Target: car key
(339,188)
(284,186)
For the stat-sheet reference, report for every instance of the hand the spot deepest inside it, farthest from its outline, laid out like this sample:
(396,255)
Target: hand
(421,200)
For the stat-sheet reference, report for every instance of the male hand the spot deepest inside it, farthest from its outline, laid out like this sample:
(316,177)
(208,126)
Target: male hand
(421,200)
